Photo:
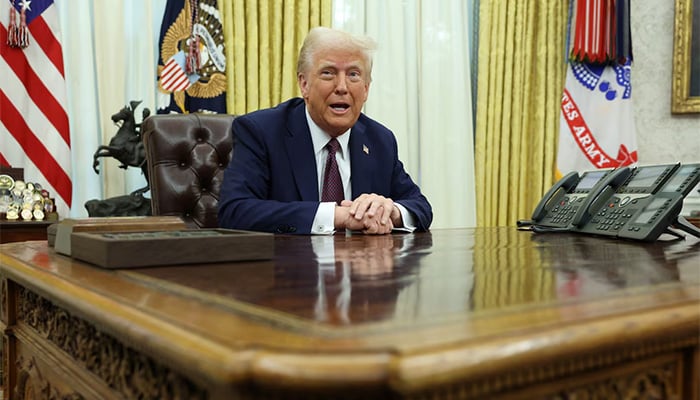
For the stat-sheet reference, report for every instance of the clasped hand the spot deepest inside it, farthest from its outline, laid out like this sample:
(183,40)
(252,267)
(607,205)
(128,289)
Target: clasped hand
(370,213)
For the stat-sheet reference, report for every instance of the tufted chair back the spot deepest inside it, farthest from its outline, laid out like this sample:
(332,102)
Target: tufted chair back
(186,156)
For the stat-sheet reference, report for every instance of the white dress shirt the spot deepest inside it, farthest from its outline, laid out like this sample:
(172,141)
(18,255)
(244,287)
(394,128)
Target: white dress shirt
(324,221)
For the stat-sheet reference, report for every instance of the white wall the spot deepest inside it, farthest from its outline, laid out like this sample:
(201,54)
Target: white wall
(661,136)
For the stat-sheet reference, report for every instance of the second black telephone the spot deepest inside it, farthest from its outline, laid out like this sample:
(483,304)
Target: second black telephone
(600,194)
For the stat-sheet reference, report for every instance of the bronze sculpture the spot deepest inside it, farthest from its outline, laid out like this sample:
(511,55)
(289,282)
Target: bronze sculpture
(127,148)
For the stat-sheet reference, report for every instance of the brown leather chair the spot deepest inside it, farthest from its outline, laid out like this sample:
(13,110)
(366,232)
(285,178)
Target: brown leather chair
(186,156)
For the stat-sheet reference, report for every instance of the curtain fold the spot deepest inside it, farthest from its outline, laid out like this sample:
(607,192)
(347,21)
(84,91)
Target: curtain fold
(102,79)
(520,81)
(421,90)
(262,41)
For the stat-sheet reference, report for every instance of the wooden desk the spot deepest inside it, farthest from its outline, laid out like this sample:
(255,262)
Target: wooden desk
(475,313)
(21,231)
(694,220)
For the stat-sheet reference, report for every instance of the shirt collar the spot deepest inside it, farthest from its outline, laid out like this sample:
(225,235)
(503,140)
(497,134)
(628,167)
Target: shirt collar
(321,138)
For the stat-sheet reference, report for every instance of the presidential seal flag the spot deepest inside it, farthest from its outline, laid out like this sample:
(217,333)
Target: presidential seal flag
(597,127)
(34,130)
(192,64)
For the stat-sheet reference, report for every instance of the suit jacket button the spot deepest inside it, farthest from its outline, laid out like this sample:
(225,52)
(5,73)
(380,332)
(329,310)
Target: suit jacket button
(286,229)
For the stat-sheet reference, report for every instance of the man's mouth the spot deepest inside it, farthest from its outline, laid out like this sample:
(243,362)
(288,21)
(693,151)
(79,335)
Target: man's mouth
(340,106)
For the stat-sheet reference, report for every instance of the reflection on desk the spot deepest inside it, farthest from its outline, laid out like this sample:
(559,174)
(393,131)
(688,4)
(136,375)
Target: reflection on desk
(466,313)
(407,277)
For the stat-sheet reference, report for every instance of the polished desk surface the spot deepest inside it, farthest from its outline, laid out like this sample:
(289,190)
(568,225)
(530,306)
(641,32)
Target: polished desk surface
(408,311)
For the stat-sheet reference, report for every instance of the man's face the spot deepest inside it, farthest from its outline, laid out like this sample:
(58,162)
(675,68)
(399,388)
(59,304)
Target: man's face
(335,89)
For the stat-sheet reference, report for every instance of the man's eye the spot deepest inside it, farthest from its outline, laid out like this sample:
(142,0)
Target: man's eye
(326,74)
(354,76)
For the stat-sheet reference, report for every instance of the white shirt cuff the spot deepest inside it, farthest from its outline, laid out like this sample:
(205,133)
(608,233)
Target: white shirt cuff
(409,223)
(324,221)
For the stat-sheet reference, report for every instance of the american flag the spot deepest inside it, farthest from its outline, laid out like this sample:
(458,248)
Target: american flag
(173,77)
(34,130)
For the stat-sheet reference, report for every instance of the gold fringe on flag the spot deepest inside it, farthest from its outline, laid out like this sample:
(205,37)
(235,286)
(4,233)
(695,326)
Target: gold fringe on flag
(18,35)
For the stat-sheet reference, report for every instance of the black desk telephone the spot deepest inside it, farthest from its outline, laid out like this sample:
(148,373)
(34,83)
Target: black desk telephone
(633,203)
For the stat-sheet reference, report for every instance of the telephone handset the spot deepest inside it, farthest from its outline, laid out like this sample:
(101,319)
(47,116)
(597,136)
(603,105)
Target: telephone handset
(600,193)
(554,195)
(655,214)
(642,185)
(554,212)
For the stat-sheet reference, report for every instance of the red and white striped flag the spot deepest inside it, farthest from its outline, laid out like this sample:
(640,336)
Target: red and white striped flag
(34,130)
(173,78)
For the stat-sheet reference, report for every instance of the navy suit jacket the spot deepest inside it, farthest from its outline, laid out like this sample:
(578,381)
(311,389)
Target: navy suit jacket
(271,184)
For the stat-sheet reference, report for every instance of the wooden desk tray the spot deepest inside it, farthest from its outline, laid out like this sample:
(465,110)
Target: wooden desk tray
(59,234)
(115,250)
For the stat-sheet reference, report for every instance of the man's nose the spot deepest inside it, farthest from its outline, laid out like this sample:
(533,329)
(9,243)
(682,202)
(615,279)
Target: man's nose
(341,83)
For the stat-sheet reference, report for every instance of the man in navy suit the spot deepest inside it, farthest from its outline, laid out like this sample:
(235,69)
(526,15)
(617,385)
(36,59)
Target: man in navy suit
(275,178)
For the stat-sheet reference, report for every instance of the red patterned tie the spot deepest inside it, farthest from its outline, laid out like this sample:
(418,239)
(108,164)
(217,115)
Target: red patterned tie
(332,184)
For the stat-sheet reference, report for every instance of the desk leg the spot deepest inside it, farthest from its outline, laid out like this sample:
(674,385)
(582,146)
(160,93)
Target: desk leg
(691,380)
(8,318)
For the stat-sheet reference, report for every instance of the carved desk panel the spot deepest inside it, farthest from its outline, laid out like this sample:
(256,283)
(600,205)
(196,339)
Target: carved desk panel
(476,313)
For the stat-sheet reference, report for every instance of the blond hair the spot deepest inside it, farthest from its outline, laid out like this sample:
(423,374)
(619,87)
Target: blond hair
(322,37)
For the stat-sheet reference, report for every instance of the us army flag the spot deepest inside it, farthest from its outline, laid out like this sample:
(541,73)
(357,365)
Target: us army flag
(597,120)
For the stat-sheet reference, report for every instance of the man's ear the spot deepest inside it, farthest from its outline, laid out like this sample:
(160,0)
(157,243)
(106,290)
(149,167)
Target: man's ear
(303,84)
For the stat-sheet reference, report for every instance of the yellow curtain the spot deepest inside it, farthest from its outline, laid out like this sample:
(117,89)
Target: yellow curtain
(521,69)
(262,39)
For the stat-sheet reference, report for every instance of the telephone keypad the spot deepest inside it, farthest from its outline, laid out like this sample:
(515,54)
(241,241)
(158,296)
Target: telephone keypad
(613,216)
(562,213)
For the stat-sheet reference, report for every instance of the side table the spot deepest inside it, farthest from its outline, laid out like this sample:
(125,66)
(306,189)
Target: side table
(20,231)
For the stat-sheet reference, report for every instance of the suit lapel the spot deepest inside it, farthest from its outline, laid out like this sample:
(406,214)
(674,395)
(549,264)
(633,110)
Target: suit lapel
(362,160)
(300,152)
